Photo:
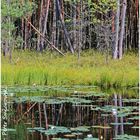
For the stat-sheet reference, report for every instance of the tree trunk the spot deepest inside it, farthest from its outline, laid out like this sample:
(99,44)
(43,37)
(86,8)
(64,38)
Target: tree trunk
(40,26)
(116,118)
(122,29)
(54,24)
(40,116)
(121,118)
(80,30)
(64,27)
(45,21)
(74,28)
(45,116)
(115,53)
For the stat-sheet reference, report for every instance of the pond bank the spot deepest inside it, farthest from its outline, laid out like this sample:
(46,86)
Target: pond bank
(30,68)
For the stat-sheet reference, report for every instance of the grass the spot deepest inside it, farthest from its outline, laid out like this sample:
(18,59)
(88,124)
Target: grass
(31,68)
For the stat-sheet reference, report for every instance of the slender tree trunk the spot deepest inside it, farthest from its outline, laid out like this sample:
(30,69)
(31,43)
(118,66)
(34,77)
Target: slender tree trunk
(116,118)
(40,116)
(115,53)
(25,36)
(57,28)
(80,30)
(137,8)
(89,29)
(121,119)
(45,21)
(45,115)
(74,28)
(54,24)
(122,29)
(40,25)
(64,27)
(8,43)
(62,32)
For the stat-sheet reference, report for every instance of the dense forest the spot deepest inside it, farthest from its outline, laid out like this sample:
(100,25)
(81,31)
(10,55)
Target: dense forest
(108,26)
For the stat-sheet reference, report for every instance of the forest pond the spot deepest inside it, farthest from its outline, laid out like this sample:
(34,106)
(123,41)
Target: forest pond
(45,113)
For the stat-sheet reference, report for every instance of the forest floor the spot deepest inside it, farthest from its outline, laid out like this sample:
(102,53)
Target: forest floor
(31,68)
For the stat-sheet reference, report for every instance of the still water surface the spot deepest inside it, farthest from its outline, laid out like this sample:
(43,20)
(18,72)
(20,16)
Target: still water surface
(69,114)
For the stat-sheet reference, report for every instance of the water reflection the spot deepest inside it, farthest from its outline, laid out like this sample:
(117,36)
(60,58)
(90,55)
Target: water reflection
(98,115)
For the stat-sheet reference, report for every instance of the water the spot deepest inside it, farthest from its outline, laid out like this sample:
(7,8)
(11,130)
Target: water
(36,115)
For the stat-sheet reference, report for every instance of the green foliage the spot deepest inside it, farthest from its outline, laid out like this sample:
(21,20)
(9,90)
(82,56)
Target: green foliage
(10,12)
(100,11)
(15,9)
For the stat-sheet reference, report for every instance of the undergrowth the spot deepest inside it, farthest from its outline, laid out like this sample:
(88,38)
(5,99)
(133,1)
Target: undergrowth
(31,68)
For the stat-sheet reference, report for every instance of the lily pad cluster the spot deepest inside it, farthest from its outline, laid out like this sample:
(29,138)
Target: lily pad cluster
(58,100)
(81,129)
(126,137)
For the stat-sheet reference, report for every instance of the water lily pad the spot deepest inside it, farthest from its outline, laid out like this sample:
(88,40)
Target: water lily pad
(130,100)
(135,127)
(96,108)
(126,137)
(70,135)
(38,128)
(91,138)
(77,133)
(31,131)
(101,127)
(105,115)
(122,114)
(57,129)
(127,123)
(74,100)
(59,139)
(9,130)
(54,101)
(134,118)
(81,129)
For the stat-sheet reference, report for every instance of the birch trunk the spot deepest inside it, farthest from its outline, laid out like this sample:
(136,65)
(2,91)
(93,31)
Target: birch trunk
(45,21)
(122,29)
(115,53)
(74,28)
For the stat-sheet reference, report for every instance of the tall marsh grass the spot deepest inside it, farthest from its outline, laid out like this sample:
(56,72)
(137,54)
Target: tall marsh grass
(29,68)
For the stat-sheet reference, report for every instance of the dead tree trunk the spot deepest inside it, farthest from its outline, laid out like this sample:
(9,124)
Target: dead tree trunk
(64,27)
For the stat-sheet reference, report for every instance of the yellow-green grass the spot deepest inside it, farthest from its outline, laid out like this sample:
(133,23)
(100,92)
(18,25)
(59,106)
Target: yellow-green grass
(28,68)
